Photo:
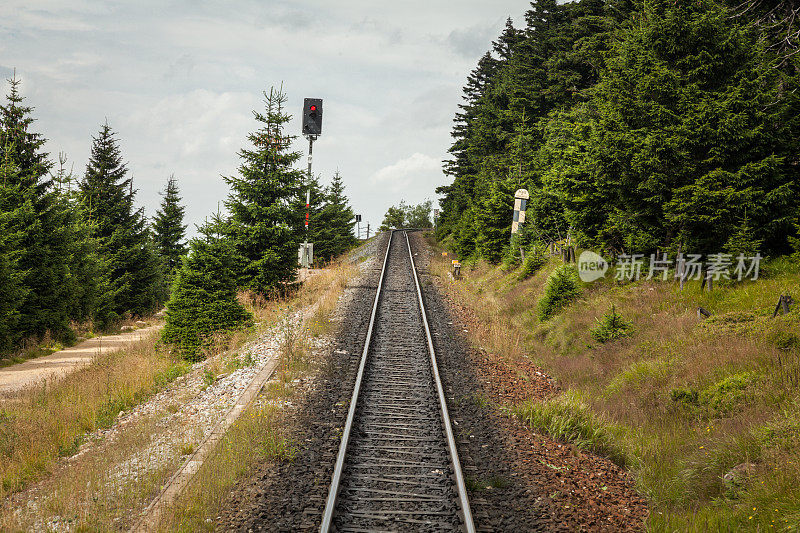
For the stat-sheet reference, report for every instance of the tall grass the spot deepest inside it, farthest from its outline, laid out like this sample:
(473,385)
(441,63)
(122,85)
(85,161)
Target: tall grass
(741,368)
(255,438)
(567,418)
(49,420)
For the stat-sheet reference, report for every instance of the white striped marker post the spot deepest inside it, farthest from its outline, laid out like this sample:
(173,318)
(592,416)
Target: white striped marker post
(520,204)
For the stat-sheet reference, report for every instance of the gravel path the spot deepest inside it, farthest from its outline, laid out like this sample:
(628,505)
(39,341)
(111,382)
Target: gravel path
(56,365)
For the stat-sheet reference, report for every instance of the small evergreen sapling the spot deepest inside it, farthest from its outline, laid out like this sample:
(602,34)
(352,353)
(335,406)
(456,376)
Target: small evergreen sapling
(512,258)
(535,258)
(610,327)
(203,299)
(562,288)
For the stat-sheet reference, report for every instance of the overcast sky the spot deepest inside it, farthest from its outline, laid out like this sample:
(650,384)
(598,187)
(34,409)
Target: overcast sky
(178,81)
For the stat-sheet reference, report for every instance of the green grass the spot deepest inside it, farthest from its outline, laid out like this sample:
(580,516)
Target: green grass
(679,400)
(567,418)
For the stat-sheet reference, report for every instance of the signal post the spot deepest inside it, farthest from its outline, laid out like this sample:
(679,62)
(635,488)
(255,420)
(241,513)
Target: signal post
(312,128)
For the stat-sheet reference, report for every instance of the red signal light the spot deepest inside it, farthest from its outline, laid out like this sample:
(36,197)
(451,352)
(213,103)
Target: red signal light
(313,108)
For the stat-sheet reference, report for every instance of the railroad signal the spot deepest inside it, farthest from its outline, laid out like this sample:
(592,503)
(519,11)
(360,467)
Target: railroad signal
(312,116)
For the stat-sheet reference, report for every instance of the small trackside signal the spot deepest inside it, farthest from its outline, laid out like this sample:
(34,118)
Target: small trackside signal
(312,116)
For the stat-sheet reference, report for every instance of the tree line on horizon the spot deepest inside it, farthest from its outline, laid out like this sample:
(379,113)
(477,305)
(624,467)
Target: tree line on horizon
(406,215)
(77,251)
(636,127)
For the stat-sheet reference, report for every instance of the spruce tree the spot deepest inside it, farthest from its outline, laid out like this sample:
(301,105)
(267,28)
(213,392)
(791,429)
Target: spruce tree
(203,299)
(107,195)
(336,223)
(23,147)
(676,138)
(493,219)
(12,289)
(262,202)
(94,296)
(46,248)
(168,227)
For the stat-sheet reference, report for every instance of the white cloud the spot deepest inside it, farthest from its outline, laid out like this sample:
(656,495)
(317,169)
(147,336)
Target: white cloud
(400,176)
(197,123)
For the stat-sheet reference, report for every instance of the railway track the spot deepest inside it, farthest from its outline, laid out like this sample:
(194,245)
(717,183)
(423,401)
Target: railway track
(397,466)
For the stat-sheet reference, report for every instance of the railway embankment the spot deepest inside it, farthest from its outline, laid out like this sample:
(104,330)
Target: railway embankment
(692,393)
(96,449)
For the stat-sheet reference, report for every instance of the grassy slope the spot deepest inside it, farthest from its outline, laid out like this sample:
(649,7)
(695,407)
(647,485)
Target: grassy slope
(680,401)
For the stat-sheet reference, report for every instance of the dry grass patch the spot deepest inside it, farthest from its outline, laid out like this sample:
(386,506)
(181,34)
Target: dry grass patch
(101,489)
(685,400)
(48,421)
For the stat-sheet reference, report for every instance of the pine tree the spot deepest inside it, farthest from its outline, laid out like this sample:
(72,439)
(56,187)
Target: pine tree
(203,300)
(336,223)
(93,296)
(493,219)
(742,240)
(107,195)
(168,227)
(12,289)
(263,218)
(676,139)
(46,248)
(22,146)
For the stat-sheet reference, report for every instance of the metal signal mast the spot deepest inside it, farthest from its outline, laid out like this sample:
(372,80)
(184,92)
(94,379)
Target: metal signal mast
(312,128)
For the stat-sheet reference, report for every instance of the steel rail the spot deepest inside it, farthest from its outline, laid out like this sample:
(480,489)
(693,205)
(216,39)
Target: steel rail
(469,525)
(330,504)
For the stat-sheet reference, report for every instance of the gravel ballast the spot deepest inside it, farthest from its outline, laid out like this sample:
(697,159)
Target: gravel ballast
(519,480)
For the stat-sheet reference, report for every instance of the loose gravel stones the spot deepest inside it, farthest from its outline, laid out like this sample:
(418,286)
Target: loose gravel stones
(518,480)
(397,473)
(290,495)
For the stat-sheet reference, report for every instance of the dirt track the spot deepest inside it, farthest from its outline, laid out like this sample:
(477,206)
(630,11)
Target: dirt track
(56,365)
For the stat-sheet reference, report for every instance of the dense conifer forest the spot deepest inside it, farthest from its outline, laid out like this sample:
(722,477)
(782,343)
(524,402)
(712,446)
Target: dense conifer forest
(636,127)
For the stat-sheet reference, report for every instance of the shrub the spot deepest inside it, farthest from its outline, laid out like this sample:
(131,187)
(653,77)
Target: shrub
(685,395)
(512,257)
(719,398)
(725,395)
(203,297)
(562,287)
(535,258)
(611,327)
